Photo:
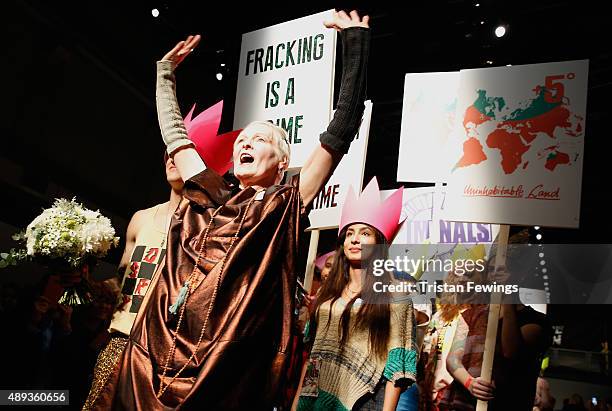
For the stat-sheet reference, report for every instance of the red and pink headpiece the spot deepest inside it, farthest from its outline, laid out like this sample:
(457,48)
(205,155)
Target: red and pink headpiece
(320,261)
(216,150)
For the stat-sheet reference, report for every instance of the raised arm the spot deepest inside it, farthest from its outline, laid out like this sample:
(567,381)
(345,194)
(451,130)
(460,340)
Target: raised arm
(335,141)
(174,133)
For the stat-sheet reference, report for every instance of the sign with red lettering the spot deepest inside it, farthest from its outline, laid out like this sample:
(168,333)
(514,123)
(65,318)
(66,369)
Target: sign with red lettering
(516,153)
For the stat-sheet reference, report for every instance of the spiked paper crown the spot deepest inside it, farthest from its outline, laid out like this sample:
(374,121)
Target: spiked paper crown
(215,150)
(369,209)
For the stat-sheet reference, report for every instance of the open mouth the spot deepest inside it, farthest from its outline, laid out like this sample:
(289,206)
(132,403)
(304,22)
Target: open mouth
(246,158)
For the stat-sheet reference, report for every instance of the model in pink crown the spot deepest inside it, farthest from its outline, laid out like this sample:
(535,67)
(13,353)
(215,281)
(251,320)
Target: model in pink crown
(364,349)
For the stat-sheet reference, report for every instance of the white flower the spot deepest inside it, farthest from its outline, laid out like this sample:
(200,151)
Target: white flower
(68,230)
(30,246)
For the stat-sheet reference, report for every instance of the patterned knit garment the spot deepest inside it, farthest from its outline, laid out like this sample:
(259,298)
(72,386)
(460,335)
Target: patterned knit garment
(335,379)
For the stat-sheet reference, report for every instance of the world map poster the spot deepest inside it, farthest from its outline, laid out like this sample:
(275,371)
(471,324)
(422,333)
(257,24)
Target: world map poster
(516,153)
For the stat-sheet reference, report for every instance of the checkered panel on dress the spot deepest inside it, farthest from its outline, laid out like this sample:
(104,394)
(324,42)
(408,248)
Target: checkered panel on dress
(143,264)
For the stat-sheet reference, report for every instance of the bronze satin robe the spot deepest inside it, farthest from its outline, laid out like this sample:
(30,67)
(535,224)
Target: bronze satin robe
(245,350)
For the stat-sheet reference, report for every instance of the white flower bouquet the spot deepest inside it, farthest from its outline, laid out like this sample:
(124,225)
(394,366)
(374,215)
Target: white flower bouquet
(68,238)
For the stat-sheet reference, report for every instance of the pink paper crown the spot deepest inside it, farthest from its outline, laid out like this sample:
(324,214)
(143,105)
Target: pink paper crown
(320,261)
(369,209)
(215,150)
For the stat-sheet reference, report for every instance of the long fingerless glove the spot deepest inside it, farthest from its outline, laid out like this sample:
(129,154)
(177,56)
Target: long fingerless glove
(347,118)
(169,115)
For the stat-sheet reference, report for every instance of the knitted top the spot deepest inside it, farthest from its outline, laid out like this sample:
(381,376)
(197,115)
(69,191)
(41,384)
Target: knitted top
(336,380)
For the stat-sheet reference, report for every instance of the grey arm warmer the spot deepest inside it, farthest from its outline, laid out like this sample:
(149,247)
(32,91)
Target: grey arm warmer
(169,115)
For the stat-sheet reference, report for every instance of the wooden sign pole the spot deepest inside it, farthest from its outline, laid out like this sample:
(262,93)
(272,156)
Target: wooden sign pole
(494,309)
(312,256)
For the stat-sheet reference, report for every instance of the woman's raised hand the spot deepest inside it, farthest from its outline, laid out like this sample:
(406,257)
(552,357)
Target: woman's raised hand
(341,20)
(182,50)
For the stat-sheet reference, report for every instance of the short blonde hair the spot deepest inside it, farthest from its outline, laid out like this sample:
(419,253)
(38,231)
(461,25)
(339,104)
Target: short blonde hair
(279,136)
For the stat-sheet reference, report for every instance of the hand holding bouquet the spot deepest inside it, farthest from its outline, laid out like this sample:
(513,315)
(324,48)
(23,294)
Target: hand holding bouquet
(68,238)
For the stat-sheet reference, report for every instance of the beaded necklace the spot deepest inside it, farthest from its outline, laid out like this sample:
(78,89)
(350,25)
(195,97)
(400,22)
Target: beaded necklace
(188,288)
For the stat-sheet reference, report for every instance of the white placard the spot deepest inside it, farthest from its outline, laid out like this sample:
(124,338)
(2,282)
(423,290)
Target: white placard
(428,113)
(327,205)
(517,149)
(286,75)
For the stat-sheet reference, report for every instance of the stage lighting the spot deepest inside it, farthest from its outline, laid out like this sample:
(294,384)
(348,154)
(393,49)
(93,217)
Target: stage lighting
(500,31)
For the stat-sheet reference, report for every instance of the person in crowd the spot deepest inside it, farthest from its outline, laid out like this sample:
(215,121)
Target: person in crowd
(145,249)
(523,337)
(364,349)
(226,289)
(544,401)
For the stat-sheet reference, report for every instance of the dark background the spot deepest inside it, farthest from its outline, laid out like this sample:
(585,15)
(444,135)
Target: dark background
(78,78)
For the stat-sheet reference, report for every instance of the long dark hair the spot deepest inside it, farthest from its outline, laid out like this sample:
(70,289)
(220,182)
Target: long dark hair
(373,315)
